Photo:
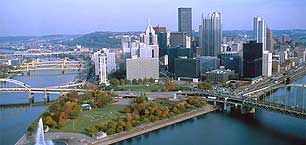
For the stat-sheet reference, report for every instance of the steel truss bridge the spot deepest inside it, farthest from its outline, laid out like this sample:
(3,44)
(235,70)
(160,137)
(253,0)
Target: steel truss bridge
(62,65)
(23,87)
(258,103)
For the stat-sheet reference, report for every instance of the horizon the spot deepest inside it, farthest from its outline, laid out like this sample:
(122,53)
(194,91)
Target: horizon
(76,17)
(130,32)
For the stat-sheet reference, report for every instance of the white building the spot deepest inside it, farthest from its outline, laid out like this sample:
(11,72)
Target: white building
(95,59)
(283,56)
(149,37)
(140,68)
(259,31)
(267,64)
(102,69)
(150,40)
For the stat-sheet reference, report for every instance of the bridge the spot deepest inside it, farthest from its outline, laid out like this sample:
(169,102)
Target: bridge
(23,87)
(38,53)
(249,104)
(62,65)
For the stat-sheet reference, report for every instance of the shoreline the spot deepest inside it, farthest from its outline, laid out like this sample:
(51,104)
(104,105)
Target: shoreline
(79,139)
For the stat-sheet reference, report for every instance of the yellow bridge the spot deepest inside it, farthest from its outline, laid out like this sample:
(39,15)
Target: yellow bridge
(62,65)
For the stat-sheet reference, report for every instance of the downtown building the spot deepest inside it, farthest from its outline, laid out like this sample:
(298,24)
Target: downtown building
(267,64)
(252,59)
(211,34)
(260,32)
(162,39)
(144,62)
(270,41)
(104,63)
(185,20)
(180,39)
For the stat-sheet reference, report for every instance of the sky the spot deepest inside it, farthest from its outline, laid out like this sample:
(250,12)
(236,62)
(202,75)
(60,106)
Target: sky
(46,17)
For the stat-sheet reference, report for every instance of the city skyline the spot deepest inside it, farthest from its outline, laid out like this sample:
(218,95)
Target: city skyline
(78,17)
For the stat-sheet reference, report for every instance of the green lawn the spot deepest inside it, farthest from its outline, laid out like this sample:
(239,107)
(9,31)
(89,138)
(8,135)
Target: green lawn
(144,88)
(92,117)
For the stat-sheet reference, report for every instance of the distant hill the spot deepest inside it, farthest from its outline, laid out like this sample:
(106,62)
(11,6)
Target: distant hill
(99,39)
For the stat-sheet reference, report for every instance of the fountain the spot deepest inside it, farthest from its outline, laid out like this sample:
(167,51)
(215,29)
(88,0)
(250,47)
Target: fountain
(40,138)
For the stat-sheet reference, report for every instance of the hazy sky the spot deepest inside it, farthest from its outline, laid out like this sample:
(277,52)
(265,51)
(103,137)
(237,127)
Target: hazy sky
(42,17)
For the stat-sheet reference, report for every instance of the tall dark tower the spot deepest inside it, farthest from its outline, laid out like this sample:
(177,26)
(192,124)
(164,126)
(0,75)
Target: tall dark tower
(185,20)
(252,59)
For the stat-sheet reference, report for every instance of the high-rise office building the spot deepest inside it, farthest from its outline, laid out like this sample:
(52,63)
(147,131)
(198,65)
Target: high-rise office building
(211,34)
(180,39)
(252,59)
(267,64)
(270,40)
(162,43)
(185,20)
(259,31)
(177,52)
(150,39)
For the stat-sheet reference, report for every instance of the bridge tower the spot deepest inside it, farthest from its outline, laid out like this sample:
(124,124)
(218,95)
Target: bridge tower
(64,65)
(46,96)
(28,68)
(31,97)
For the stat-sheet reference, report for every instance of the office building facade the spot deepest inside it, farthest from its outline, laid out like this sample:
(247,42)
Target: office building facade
(252,59)
(231,61)
(259,31)
(185,20)
(267,64)
(177,52)
(270,40)
(186,67)
(208,63)
(141,68)
(179,39)
(211,34)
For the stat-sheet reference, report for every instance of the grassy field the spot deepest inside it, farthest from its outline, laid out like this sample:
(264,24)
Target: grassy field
(92,117)
(144,88)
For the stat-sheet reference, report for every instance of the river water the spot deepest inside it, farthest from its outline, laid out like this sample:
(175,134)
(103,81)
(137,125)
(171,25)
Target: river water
(218,128)
(14,122)
(225,128)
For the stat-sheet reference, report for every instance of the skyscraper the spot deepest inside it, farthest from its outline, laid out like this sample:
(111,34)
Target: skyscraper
(149,37)
(259,31)
(270,41)
(252,59)
(185,20)
(211,34)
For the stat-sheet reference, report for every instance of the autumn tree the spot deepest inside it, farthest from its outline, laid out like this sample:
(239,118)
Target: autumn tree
(170,86)
(103,98)
(129,116)
(50,122)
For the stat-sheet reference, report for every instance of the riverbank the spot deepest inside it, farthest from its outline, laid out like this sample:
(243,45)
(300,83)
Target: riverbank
(75,138)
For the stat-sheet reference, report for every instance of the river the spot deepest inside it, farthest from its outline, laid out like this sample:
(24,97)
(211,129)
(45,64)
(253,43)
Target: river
(226,128)
(218,128)
(14,122)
